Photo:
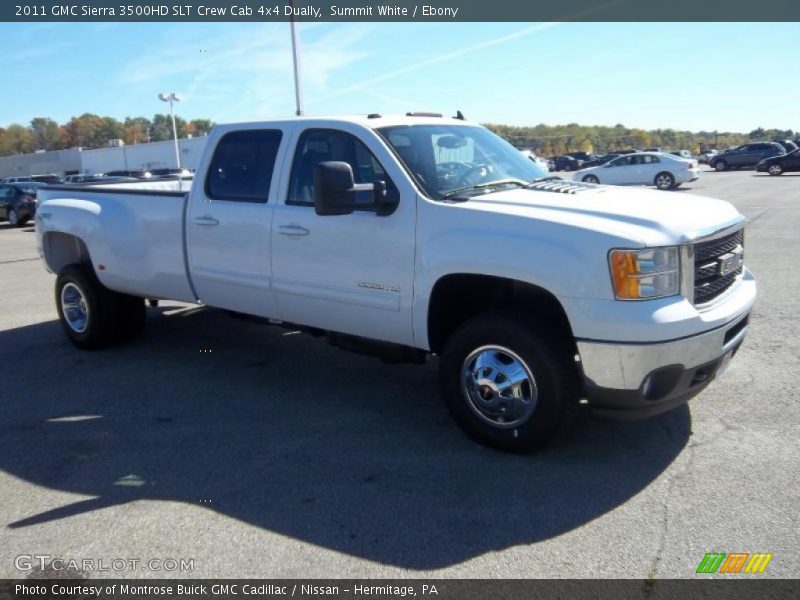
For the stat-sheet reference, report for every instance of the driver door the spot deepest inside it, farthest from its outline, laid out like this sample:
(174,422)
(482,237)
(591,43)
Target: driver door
(347,273)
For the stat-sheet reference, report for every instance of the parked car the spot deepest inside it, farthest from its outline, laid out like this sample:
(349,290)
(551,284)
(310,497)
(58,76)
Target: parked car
(788,145)
(566,163)
(344,225)
(582,156)
(80,178)
(137,173)
(170,172)
(600,160)
(705,155)
(18,202)
(15,179)
(683,154)
(49,178)
(778,165)
(628,151)
(655,149)
(748,155)
(662,170)
(539,160)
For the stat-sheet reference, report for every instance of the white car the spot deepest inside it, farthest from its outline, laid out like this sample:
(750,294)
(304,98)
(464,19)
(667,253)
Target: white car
(665,171)
(539,160)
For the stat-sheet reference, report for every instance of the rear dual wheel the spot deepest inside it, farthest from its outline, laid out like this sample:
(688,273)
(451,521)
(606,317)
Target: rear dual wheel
(92,315)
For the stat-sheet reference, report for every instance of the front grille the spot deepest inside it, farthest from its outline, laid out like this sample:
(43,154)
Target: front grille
(708,283)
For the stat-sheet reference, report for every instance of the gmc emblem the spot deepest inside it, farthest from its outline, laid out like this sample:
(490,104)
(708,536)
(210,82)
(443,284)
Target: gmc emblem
(731,261)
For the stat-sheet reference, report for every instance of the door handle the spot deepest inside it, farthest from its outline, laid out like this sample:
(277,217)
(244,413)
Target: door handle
(206,221)
(295,230)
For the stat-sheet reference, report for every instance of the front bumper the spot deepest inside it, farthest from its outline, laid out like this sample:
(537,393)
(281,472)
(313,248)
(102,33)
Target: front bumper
(639,380)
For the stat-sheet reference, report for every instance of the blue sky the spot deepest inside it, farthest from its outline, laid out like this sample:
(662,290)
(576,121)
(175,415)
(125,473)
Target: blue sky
(724,76)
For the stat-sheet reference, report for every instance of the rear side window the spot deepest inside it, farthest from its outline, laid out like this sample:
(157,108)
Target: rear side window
(242,166)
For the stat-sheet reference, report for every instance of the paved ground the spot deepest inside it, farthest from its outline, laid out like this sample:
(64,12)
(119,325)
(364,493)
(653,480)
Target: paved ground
(276,455)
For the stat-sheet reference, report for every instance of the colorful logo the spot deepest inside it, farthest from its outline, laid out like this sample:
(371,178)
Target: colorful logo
(735,562)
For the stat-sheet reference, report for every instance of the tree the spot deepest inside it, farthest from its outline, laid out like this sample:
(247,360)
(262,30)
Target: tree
(586,146)
(136,130)
(46,134)
(199,126)
(16,140)
(161,128)
(88,131)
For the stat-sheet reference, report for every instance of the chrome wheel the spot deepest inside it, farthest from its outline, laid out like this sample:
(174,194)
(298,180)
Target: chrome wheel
(499,386)
(664,181)
(591,179)
(721,165)
(74,308)
(13,218)
(775,170)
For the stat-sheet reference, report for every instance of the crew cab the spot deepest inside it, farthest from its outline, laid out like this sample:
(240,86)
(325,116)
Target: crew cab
(419,235)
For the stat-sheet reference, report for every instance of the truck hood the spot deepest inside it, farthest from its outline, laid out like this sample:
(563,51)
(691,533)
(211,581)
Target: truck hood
(639,215)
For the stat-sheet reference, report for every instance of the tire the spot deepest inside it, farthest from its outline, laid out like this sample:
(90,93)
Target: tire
(508,342)
(664,181)
(590,179)
(91,315)
(13,218)
(775,169)
(721,165)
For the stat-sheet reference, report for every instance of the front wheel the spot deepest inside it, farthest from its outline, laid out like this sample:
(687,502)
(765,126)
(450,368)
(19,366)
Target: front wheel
(508,383)
(775,169)
(590,179)
(721,165)
(14,218)
(664,181)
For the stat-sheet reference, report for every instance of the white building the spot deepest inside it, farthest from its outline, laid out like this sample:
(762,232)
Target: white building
(100,160)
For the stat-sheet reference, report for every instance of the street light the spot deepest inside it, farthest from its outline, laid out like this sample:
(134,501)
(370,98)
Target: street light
(172,97)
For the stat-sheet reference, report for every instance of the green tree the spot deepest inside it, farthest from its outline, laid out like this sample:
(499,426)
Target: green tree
(161,128)
(47,135)
(16,139)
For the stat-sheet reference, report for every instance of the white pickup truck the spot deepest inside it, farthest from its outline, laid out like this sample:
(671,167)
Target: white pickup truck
(415,235)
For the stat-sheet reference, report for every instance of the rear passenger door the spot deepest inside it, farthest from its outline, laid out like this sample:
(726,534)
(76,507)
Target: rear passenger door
(229,223)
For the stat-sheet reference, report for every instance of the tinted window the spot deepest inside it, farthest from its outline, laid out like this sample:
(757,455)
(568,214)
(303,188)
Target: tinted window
(242,165)
(648,159)
(320,145)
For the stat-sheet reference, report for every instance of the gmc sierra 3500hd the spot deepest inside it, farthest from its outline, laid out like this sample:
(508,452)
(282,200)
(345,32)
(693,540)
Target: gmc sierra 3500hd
(414,235)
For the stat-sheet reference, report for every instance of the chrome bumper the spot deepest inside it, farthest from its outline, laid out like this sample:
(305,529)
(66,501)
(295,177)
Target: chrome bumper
(624,366)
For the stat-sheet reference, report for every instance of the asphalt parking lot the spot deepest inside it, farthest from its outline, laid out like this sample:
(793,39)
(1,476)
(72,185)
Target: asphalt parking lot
(275,455)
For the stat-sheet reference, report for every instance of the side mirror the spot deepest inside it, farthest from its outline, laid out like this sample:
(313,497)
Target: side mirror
(335,191)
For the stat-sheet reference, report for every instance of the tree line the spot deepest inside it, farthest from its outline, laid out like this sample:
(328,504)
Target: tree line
(94,131)
(555,140)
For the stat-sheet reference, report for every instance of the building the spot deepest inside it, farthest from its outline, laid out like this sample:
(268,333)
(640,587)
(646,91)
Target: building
(100,160)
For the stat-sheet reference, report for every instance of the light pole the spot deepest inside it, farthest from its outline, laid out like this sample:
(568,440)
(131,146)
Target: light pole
(173,97)
(298,95)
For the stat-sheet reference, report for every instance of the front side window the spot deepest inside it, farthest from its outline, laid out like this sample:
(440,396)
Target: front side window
(446,158)
(323,145)
(242,165)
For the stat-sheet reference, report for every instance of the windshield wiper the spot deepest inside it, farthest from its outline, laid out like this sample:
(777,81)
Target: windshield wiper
(488,184)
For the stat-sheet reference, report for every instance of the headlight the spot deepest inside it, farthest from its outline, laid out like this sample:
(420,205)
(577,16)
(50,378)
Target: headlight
(645,274)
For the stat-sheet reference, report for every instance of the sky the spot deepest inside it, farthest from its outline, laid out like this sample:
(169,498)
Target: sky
(689,76)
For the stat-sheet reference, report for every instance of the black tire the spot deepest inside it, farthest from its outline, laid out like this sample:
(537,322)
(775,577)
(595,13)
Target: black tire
(775,169)
(590,179)
(546,355)
(664,180)
(111,317)
(721,165)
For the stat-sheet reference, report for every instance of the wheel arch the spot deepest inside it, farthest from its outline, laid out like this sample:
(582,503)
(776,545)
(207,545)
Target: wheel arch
(61,249)
(458,297)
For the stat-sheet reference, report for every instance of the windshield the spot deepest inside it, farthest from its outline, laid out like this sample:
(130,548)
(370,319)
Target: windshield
(445,158)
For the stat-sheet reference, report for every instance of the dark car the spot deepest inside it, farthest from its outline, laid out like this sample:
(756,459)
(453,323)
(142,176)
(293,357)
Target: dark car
(748,155)
(49,178)
(566,163)
(778,165)
(170,172)
(600,160)
(137,173)
(584,156)
(18,202)
(788,145)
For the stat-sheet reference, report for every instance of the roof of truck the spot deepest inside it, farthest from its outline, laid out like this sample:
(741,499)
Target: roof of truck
(372,121)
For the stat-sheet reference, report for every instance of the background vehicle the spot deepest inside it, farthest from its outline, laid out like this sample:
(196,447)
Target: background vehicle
(539,160)
(683,154)
(705,155)
(777,165)
(600,160)
(15,179)
(566,163)
(403,236)
(138,173)
(747,155)
(581,156)
(662,170)
(170,172)
(50,178)
(18,202)
(788,145)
